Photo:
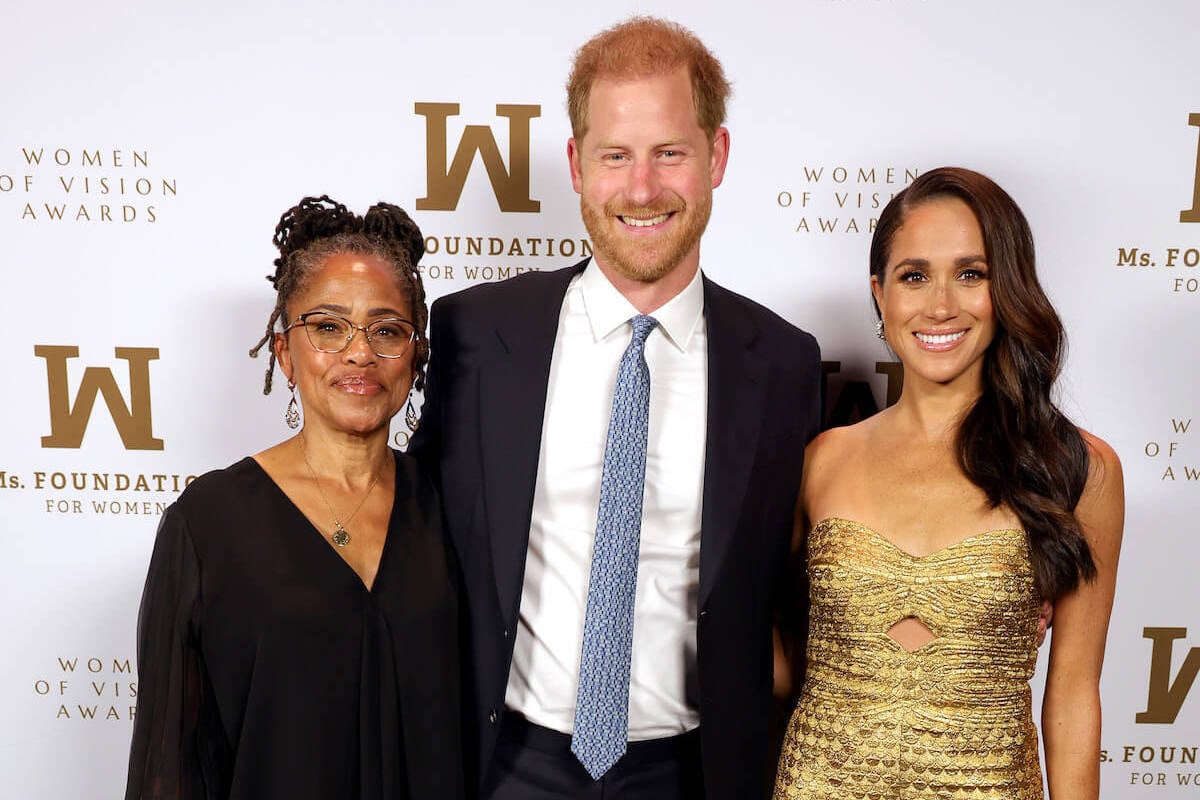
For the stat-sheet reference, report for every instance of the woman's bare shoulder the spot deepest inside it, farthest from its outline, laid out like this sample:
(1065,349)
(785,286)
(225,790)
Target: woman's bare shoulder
(831,453)
(1103,457)
(838,442)
(1101,508)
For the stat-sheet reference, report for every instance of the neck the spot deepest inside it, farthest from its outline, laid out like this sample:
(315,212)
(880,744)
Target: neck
(935,410)
(649,296)
(347,460)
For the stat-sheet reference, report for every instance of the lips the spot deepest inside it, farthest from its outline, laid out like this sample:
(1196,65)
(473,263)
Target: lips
(645,217)
(645,222)
(357,384)
(939,338)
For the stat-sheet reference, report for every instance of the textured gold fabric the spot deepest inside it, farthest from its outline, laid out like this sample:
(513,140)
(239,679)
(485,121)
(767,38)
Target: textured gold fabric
(951,720)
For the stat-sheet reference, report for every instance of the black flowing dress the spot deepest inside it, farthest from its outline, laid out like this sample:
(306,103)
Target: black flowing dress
(267,670)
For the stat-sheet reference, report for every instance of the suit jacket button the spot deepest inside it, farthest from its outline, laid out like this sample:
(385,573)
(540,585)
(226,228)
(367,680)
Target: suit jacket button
(492,716)
(506,633)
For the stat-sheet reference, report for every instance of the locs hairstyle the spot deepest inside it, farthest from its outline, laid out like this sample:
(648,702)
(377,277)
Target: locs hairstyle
(1014,443)
(316,228)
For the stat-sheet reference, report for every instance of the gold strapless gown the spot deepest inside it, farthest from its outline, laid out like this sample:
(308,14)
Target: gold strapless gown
(950,720)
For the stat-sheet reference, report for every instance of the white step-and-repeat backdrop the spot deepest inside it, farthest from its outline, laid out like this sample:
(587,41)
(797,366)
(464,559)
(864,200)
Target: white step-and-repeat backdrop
(147,150)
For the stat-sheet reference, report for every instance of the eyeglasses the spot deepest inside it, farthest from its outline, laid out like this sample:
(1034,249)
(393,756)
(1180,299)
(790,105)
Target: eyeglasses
(330,333)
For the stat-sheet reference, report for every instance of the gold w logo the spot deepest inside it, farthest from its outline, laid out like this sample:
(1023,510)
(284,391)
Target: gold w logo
(445,179)
(1166,696)
(69,422)
(1193,214)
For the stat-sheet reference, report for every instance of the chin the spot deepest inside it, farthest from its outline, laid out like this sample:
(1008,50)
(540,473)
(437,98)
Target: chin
(642,273)
(362,425)
(642,265)
(947,377)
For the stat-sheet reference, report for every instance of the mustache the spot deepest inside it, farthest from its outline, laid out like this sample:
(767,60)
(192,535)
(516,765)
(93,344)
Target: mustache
(669,206)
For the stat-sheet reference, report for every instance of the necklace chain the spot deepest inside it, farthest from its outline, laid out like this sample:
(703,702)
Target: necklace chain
(340,536)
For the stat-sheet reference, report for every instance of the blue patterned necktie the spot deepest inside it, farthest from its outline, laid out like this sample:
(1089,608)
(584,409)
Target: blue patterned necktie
(602,703)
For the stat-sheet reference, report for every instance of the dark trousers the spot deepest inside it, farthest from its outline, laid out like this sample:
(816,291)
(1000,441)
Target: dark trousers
(536,763)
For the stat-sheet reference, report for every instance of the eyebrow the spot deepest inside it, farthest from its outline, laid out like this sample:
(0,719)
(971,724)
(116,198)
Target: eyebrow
(923,262)
(675,142)
(374,312)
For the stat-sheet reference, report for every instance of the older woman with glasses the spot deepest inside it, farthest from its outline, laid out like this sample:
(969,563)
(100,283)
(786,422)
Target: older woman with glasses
(298,632)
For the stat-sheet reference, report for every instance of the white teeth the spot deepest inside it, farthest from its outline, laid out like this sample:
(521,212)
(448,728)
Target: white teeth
(644,223)
(940,338)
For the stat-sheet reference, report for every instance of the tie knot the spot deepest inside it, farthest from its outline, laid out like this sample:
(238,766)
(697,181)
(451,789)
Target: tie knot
(642,325)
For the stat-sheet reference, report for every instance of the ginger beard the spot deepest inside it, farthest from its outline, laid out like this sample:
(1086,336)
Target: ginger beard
(646,258)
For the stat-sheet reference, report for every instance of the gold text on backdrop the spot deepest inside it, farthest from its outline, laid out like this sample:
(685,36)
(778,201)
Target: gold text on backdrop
(68,422)
(1193,214)
(1166,695)
(444,180)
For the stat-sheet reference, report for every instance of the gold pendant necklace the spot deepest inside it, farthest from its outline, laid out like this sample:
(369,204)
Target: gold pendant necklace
(340,536)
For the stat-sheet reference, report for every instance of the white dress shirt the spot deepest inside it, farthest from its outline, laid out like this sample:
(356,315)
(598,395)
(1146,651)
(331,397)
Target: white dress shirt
(593,333)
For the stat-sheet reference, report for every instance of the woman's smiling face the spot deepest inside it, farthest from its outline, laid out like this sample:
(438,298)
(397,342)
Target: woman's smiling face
(935,294)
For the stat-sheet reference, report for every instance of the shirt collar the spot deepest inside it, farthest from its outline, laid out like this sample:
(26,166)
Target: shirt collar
(608,309)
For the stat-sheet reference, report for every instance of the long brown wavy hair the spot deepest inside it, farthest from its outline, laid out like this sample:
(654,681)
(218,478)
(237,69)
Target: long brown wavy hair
(1013,443)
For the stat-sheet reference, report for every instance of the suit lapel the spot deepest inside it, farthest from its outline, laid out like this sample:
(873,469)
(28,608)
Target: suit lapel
(736,388)
(512,404)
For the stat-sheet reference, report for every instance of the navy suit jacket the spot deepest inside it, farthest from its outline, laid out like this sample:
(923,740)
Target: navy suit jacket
(481,431)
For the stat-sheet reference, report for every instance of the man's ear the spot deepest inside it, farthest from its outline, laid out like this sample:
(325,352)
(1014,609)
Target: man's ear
(720,156)
(573,158)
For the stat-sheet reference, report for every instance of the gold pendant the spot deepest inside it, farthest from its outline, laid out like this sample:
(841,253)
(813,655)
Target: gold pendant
(340,537)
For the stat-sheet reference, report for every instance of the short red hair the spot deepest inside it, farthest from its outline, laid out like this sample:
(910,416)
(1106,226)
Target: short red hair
(643,47)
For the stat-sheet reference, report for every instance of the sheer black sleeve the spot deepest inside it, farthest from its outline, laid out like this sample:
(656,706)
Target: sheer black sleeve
(164,763)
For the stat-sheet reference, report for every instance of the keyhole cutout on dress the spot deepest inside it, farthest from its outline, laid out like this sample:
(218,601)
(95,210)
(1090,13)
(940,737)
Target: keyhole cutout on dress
(911,634)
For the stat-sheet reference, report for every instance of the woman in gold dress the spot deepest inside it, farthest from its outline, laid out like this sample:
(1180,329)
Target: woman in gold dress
(936,527)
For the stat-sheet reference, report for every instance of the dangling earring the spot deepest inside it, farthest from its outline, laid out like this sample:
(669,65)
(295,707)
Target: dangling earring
(412,421)
(879,330)
(410,416)
(292,415)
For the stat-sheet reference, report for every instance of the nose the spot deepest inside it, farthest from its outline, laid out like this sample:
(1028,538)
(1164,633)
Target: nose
(644,185)
(358,349)
(942,303)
